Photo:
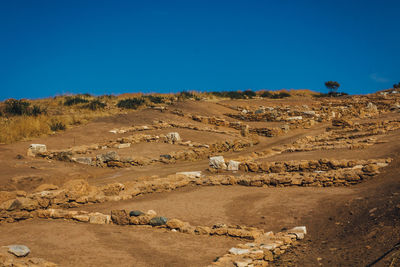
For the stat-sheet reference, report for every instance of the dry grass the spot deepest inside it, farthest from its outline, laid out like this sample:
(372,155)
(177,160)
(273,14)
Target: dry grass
(17,128)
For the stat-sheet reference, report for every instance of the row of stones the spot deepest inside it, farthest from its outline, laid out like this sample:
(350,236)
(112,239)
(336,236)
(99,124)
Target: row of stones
(157,125)
(324,112)
(245,129)
(125,142)
(351,136)
(18,205)
(262,249)
(112,159)
(218,163)
(347,137)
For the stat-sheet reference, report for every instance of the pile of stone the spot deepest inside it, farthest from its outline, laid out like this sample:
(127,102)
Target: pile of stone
(17,205)
(263,250)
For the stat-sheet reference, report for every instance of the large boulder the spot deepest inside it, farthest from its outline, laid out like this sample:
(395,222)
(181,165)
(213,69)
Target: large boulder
(36,149)
(217,162)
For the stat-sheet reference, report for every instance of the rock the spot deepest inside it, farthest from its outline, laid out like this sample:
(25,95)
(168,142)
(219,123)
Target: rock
(217,162)
(277,168)
(6,195)
(76,188)
(173,137)
(125,145)
(151,213)
(202,230)
(99,218)
(109,156)
(113,189)
(81,217)
(243,262)
(252,166)
(158,221)
(294,118)
(35,149)
(175,224)
(46,187)
(19,250)
(371,169)
(119,217)
(244,130)
(309,113)
(299,231)
(233,165)
(194,174)
(285,128)
(135,213)
(239,251)
(83,160)
(371,107)
(28,204)
(342,123)
(10,205)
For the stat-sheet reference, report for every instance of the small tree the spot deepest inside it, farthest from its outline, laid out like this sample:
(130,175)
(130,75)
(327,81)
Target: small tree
(332,86)
(396,86)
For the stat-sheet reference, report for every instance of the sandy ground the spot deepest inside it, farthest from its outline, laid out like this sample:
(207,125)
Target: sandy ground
(342,231)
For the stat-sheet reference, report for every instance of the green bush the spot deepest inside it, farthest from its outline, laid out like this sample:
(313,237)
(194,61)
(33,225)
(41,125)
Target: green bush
(57,126)
(37,110)
(266,94)
(95,105)
(155,99)
(249,93)
(186,95)
(230,94)
(280,95)
(17,107)
(74,100)
(131,103)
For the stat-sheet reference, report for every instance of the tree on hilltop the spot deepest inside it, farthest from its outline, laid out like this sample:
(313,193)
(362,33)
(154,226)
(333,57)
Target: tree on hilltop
(332,86)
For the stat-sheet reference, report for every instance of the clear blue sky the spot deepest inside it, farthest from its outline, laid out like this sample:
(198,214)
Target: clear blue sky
(103,47)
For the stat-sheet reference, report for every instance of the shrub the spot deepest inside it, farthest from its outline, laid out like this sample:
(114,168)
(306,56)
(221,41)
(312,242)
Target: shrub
(280,95)
(95,105)
(249,93)
(266,94)
(17,107)
(396,85)
(131,103)
(331,94)
(74,100)
(37,110)
(155,99)
(57,126)
(185,95)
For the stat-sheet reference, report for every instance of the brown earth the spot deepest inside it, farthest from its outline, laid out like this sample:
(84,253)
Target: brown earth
(347,226)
